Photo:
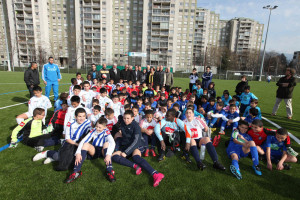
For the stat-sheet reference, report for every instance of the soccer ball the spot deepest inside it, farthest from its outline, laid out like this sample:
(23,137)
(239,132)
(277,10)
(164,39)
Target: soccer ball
(104,76)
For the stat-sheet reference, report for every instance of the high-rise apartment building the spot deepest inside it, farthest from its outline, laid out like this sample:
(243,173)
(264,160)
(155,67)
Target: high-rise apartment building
(3,39)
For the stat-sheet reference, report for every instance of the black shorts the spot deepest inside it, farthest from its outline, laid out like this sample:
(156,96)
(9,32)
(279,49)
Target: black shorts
(98,154)
(141,148)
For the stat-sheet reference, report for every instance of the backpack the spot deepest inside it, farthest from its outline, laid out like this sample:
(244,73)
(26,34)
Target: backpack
(66,157)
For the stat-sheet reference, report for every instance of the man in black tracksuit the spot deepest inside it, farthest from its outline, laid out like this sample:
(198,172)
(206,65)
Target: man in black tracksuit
(32,78)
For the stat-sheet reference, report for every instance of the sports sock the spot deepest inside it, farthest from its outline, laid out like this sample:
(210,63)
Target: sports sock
(212,151)
(19,120)
(109,167)
(143,164)
(195,153)
(236,164)
(78,167)
(122,161)
(254,155)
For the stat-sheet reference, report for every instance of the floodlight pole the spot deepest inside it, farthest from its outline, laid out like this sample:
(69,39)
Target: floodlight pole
(264,52)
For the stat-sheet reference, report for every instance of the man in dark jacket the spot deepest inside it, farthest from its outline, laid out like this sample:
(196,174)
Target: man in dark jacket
(161,77)
(135,74)
(285,91)
(104,73)
(114,73)
(156,77)
(93,72)
(32,78)
(125,74)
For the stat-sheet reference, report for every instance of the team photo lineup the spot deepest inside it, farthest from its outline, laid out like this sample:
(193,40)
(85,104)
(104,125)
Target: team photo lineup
(124,116)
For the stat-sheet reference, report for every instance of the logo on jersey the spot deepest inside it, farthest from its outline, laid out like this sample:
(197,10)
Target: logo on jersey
(68,124)
(169,130)
(22,124)
(150,127)
(194,132)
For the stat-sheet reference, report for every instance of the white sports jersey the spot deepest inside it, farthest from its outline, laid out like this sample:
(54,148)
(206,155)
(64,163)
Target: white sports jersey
(116,107)
(94,118)
(74,130)
(138,118)
(38,102)
(159,114)
(88,95)
(70,115)
(147,125)
(71,90)
(79,81)
(70,96)
(110,123)
(103,101)
(98,140)
(196,126)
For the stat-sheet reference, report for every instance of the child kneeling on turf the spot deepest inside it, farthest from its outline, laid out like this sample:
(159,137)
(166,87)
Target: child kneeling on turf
(102,145)
(240,145)
(132,145)
(75,131)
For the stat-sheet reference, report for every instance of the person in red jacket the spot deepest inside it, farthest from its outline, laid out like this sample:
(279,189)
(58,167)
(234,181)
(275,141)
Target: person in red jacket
(58,119)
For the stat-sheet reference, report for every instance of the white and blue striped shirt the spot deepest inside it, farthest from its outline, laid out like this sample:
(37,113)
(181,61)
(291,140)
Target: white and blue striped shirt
(74,131)
(98,140)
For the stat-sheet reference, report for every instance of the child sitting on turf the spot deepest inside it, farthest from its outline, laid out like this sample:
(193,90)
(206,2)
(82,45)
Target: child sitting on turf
(253,104)
(240,145)
(73,82)
(161,113)
(115,105)
(178,112)
(226,97)
(183,102)
(246,97)
(214,118)
(136,114)
(253,112)
(211,90)
(132,146)
(104,101)
(147,127)
(102,145)
(111,118)
(57,105)
(140,104)
(276,151)
(88,95)
(230,119)
(97,113)
(228,106)
(94,103)
(75,130)
(58,119)
(76,92)
(35,134)
(37,101)
(211,106)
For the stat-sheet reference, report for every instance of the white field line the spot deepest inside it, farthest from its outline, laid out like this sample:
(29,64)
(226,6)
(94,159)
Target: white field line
(277,126)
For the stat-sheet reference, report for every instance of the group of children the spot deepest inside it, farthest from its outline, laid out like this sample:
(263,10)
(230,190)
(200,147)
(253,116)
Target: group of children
(118,121)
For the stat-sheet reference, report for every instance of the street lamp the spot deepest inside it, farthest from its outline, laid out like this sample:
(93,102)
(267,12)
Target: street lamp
(270,8)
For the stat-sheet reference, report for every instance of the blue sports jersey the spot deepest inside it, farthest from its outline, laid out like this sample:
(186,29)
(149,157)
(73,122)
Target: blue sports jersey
(237,148)
(250,119)
(226,102)
(246,113)
(230,115)
(246,98)
(74,131)
(276,147)
(182,104)
(211,108)
(149,93)
(141,108)
(51,72)
(199,92)
(204,105)
(154,104)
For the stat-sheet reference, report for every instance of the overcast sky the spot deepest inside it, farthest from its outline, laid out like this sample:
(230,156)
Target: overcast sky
(284,30)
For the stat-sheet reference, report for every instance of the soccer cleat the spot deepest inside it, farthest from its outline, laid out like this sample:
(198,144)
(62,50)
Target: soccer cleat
(157,179)
(48,160)
(73,177)
(216,140)
(13,145)
(111,176)
(185,156)
(257,170)
(222,133)
(201,165)
(39,148)
(161,157)
(146,154)
(153,152)
(219,166)
(235,172)
(40,156)
(138,169)
(291,151)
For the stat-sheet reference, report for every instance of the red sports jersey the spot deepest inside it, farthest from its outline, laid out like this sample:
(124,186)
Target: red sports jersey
(260,137)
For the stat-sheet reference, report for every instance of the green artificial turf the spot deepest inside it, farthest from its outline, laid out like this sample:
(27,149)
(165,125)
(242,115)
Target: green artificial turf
(20,178)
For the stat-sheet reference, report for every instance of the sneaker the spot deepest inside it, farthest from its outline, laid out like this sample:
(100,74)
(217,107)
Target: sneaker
(111,176)
(39,148)
(138,169)
(219,166)
(291,151)
(146,154)
(201,165)
(73,176)
(161,157)
(185,156)
(152,151)
(216,140)
(235,172)
(257,170)
(222,133)
(48,160)
(286,166)
(40,156)
(157,179)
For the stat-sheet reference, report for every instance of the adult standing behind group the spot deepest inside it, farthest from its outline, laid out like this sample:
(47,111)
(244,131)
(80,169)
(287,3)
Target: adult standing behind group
(104,73)
(135,74)
(206,77)
(115,73)
(284,92)
(51,76)
(125,74)
(168,79)
(193,77)
(161,76)
(32,77)
(156,77)
(94,73)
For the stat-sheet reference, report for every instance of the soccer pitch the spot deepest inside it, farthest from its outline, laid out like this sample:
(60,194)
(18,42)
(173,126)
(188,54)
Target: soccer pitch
(20,178)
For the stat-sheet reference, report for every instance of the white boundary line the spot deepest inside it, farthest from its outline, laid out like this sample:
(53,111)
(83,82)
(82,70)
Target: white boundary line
(277,126)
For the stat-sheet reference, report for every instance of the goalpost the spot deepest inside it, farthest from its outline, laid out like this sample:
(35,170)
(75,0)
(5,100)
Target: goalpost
(231,74)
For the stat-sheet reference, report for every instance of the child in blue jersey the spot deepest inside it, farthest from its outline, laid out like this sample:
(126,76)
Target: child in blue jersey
(276,151)
(199,91)
(167,132)
(204,102)
(253,112)
(237,100)
(57,105)
(214,117)
(230,119)
(75,130)
(102,145)
(226,97)
(246,97)
(240,145)
(132,146)
(253,104)
(211,106)
(140,104)
(183,102)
